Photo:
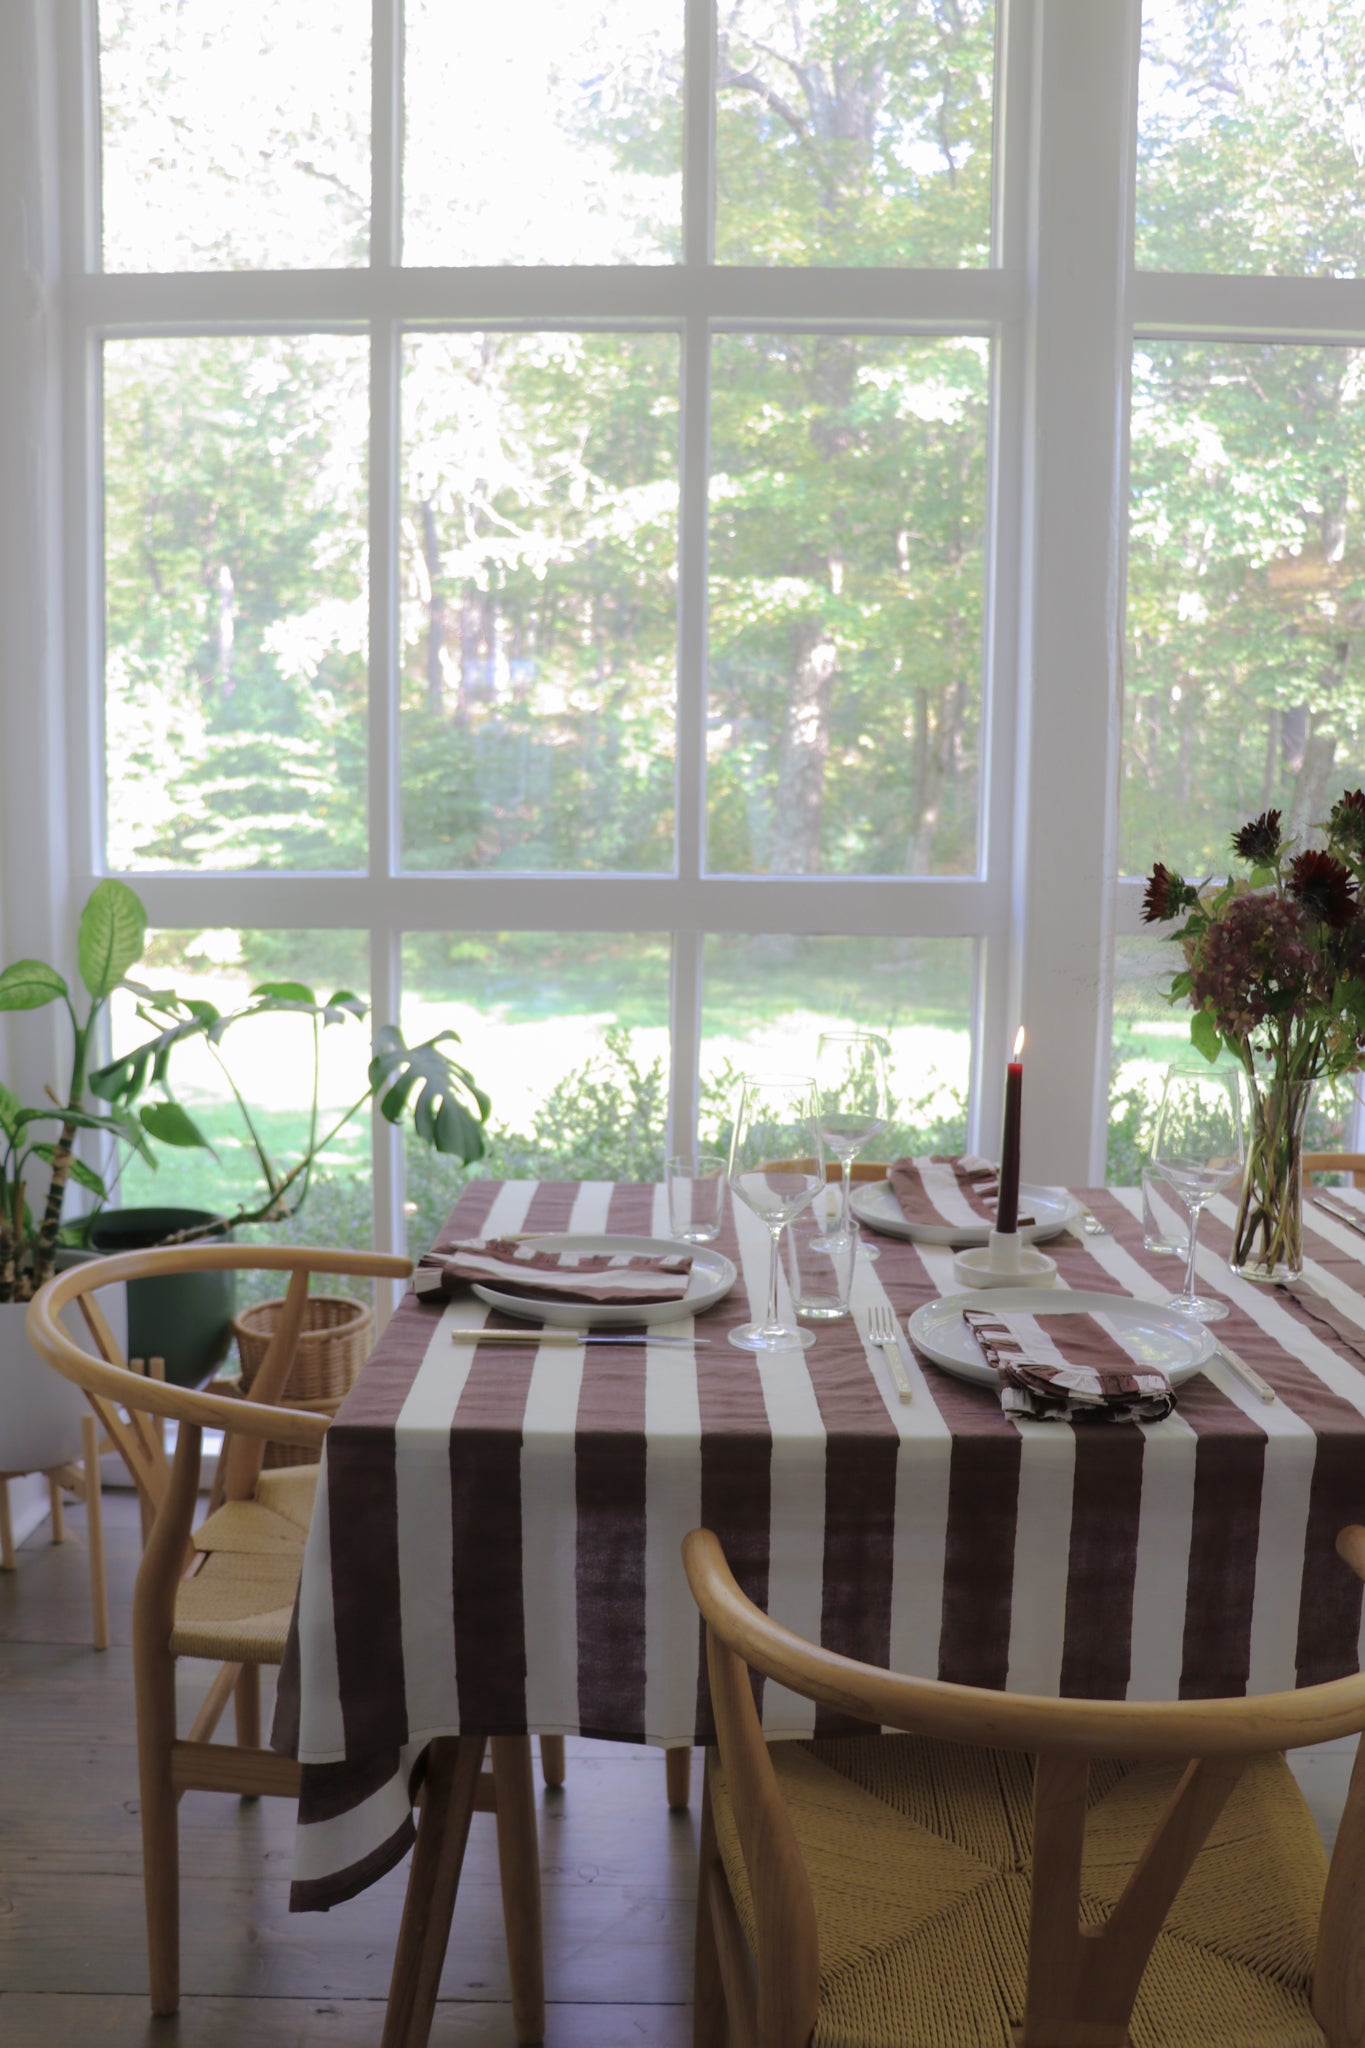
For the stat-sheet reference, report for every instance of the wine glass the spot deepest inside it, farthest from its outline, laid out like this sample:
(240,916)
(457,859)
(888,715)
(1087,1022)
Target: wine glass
(770,1171)
(1197,1149)
(853,1103)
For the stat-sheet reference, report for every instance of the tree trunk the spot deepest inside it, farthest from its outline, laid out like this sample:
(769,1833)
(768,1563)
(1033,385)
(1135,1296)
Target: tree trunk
(436,611)
(795,846)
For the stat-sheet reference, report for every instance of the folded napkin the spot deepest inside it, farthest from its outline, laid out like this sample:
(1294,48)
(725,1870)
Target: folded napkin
(599,1277)
(947,1189)
(1074,1371)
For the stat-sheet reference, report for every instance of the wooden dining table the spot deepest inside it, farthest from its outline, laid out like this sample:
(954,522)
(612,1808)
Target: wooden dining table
(494,1549)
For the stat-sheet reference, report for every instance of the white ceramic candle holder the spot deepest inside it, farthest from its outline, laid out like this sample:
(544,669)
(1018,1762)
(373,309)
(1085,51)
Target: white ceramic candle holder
(1003,1261)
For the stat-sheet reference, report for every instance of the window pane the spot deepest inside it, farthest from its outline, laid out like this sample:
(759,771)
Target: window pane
(270,1058)
(766,999)
(567,1033)
(235,136)
(1246,595)
(847,517)
(855,134)
(540,522)
(1251,137)
(235,602)
(546,132)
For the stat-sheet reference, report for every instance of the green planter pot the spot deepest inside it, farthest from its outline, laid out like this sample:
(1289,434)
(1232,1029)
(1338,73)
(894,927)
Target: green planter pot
(185,1318)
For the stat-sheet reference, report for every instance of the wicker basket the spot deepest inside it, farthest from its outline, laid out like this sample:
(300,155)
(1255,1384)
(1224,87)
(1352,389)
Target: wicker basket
(333,1345)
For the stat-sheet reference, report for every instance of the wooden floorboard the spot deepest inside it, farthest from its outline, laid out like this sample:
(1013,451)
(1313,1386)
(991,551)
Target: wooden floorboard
(618,1872)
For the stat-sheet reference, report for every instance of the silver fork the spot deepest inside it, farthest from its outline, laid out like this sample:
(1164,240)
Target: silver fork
(882,1331)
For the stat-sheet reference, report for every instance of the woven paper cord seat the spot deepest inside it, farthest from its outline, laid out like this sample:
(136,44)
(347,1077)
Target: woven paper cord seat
(236,1605)
(918,1857)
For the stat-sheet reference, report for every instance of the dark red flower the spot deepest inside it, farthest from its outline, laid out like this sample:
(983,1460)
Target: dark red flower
(1166,895)
(1259,842)
(1324,887)
(1347,822)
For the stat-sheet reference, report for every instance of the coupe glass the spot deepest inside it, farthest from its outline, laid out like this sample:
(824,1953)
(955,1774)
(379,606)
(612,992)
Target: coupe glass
(1197,1150)
(853,1104)
(770,1172)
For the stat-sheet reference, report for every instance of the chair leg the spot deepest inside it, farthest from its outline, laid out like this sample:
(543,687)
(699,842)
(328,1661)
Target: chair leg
(246,1703)
(54,1496)
(519,1870)
(552,1760)
(154,1686)
(453,1767)
(678,1767)
(710,2025)
(94,1529)
(6,1529)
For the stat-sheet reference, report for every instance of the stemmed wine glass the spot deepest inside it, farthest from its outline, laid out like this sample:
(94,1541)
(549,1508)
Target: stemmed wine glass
(853,1103)
(1197,1149)
(771,1173)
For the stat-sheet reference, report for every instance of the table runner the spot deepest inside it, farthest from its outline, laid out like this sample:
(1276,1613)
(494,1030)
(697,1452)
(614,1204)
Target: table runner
(495,1545)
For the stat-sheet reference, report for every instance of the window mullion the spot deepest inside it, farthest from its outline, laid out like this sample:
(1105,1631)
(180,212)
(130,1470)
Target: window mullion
(1065,791)
(690,740)
(385,939)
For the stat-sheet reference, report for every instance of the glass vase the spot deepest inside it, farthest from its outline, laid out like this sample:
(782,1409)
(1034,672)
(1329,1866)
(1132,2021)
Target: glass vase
(1267,1239)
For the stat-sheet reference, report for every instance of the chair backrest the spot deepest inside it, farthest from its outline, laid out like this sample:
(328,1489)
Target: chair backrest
(862,1169)
(1337,1162)
(1213,1738)
(112,1387)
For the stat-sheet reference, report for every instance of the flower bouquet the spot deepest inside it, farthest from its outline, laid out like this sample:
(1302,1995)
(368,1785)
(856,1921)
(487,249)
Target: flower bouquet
(1275,971)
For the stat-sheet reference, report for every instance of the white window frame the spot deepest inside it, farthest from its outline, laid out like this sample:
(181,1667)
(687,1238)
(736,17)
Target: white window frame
(1041,911)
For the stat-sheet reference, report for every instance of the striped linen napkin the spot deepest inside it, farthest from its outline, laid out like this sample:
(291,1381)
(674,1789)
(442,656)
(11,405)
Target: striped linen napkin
(945,1188)
(541,1275)
(1074,1371)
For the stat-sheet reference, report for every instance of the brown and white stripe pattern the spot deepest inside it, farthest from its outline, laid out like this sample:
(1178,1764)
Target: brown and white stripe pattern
(495,1544)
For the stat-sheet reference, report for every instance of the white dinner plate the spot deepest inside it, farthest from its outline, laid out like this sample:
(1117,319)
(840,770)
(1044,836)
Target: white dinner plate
(873,1202)
(710,1280)
(1152,1335)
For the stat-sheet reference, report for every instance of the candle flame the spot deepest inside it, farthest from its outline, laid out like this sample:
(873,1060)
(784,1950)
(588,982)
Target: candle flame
(1018,1043)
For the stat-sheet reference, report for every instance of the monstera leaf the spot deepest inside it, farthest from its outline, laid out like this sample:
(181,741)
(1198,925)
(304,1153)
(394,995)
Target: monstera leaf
(436,1087)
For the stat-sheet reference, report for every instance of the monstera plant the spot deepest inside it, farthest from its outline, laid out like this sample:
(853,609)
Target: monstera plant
(130,1102)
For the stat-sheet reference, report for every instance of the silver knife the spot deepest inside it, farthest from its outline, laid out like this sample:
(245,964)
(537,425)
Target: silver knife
(1340,1212)
(559,1334)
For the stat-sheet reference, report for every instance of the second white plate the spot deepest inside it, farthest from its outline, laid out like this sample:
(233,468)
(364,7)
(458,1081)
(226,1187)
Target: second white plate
(710,1280)
(873,1203)
(1151,1334)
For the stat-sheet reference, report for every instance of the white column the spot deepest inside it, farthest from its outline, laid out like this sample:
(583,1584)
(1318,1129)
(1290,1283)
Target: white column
(1067,777)
(34,884)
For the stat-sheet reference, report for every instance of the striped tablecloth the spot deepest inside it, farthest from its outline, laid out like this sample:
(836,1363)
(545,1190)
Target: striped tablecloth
(495,1545)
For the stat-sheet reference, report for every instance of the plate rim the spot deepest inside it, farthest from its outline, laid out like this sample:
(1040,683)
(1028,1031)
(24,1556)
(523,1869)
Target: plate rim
(586,1314)
(1081,1299)
(954,1237)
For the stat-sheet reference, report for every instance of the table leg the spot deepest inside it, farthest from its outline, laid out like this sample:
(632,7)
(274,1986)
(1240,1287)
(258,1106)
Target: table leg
(453,1766)
(519,1870)
(678,1769)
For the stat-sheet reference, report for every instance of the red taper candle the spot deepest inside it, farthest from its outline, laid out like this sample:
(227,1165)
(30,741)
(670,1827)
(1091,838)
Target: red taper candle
(1007,1206)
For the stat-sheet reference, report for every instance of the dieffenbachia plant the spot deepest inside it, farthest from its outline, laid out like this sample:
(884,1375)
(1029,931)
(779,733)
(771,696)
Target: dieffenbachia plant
(37,1140)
